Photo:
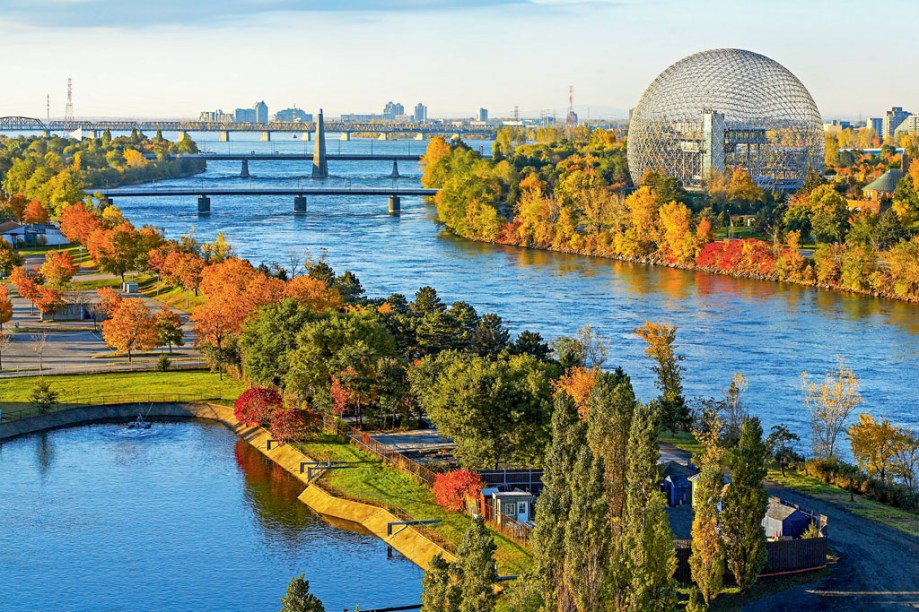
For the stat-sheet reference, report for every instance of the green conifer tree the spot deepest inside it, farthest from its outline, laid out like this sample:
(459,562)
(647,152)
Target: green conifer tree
(477,571)
(299,598)
(648,540)
(745,505)
(440,593)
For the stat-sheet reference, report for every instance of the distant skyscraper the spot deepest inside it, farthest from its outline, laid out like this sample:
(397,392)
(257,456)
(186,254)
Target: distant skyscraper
(483,115)
(876,124)
(421,112)
(392,109)
(261,112)
(245,115)
(293,115)
(892,120)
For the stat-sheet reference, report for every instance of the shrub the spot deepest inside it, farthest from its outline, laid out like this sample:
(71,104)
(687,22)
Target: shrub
(291,425)
(43,396)
(451,488)
(255,405)
(811,532)
(162,363)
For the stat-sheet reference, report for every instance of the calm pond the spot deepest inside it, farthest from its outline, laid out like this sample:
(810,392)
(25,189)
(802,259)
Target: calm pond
(184,516)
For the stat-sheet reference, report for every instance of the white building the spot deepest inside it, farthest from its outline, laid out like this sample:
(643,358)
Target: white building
(892,120)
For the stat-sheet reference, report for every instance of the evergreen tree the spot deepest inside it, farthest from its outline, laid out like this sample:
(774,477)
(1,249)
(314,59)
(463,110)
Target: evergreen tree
(439,591)
(476,568)
(707,559)
(548,537)
(587,536)
(745,505)
(299,598)
(648,540)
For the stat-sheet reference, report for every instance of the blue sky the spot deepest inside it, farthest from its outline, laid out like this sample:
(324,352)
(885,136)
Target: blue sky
(174,58)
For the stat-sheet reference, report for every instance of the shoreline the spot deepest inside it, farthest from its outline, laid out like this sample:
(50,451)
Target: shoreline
(407,540)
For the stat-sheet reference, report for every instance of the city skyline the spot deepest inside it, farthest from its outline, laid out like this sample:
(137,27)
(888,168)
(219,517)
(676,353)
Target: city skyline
(130,61)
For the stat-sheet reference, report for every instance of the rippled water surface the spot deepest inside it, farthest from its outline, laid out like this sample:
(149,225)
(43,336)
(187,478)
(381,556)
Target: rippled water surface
(771,332)
(182,517)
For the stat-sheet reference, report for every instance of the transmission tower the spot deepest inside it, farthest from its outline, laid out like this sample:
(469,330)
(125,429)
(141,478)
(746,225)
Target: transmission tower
(571,121)
(68,110)
(516,113)
(47,109)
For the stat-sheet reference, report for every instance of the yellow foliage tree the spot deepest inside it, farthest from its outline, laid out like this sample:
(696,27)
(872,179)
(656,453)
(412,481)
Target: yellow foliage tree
(676,239)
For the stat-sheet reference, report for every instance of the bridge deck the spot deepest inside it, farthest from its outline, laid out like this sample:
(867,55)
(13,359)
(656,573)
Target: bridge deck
(296,156)
(292,191)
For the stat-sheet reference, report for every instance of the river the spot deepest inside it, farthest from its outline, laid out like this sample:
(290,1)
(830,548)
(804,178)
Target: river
(770,332)
(185,516)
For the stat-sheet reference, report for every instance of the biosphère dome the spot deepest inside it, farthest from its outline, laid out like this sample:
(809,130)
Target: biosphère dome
(721,109)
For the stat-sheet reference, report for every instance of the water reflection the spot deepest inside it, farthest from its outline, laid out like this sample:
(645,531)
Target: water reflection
(44,453)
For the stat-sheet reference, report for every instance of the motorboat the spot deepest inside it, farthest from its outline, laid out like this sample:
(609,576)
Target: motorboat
(139,423)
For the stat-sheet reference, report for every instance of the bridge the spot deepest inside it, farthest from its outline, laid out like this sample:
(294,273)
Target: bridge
(346,129)
(245,158)
(204,194)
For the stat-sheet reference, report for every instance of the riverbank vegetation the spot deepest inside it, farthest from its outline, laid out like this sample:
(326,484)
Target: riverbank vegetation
(575,196)
(55,171)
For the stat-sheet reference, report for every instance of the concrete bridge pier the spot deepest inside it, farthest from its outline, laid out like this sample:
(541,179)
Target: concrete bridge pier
(419,136)
(299,205)
(244,171)
(320,163)
(395,205)
(395,170)
(204,205)
(346,136)
(266,136)
(225,136)
(383,136)
(182,135)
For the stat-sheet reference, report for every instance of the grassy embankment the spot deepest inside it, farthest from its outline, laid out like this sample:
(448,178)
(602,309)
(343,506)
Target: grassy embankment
(144,386)
(371,481)
(897,518)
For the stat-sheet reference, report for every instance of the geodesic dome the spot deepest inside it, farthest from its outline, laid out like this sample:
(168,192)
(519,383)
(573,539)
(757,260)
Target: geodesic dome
(724,108)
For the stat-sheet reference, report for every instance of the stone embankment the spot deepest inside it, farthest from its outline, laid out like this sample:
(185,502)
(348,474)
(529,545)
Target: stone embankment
(409,541)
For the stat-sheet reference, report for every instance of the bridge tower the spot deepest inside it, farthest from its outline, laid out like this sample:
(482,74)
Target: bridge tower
(320,163)
(68,110)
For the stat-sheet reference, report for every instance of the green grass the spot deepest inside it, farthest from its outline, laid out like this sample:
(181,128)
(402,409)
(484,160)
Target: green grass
(82,387)
(373,481)
(115,283)
(682,440)
(903,520)
(173,296)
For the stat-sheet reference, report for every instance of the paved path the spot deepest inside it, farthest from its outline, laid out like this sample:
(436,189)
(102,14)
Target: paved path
(878,566)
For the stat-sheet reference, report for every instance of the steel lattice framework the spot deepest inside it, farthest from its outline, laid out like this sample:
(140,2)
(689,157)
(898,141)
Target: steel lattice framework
(721,109)
(20,123)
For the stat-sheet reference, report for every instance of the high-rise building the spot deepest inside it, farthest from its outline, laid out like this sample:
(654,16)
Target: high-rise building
(245,115)
(910,125)
(483,115)
(293,115)
(217,116)
(421,113)
(876,124)
(261,112)
(392,109)
(892,120)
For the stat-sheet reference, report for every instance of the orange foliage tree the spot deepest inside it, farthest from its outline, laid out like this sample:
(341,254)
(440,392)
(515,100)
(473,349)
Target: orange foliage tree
(58,268)
(131,328)
(578,382)
(78,223)
(6,306)
(35,213)
(314,293)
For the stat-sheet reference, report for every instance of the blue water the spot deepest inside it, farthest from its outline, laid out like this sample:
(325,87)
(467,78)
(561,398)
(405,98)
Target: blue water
(184,516)
(770,332)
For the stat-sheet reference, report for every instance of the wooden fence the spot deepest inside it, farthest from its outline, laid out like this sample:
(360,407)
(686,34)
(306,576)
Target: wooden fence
(781,556)
(511,528)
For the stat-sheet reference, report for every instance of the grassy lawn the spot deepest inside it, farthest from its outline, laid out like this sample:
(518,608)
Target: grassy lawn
(158,385)
(682,440)
(173,296)
(370,480)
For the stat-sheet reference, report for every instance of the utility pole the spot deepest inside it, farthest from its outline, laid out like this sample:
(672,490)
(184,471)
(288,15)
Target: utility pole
(47,109)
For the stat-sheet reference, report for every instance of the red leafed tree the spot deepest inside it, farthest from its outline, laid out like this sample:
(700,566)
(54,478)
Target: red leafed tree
(255,405)
(450,489)
(25,283)
(48,300)
(341,395)
(290,424)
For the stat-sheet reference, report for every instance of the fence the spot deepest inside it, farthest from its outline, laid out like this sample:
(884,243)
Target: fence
(525,480)
(137,366)
(512,528)
(10,414)
(781,556)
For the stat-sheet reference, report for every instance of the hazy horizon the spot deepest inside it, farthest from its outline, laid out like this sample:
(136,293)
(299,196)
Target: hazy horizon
(174,59)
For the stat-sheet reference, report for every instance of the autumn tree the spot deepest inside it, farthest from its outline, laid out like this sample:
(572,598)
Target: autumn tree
(130,328)
(829,403)
(9,258)
(255,406)
(6,305)
(79,222)
(733,408)
(35,213)
(292,424)
(905,461)
(660,338)
(874,445)
(450,488)
(745,506)
(676,235)
(58,268)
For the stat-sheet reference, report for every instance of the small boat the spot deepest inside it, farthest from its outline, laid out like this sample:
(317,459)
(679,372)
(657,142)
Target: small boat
(139,423)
